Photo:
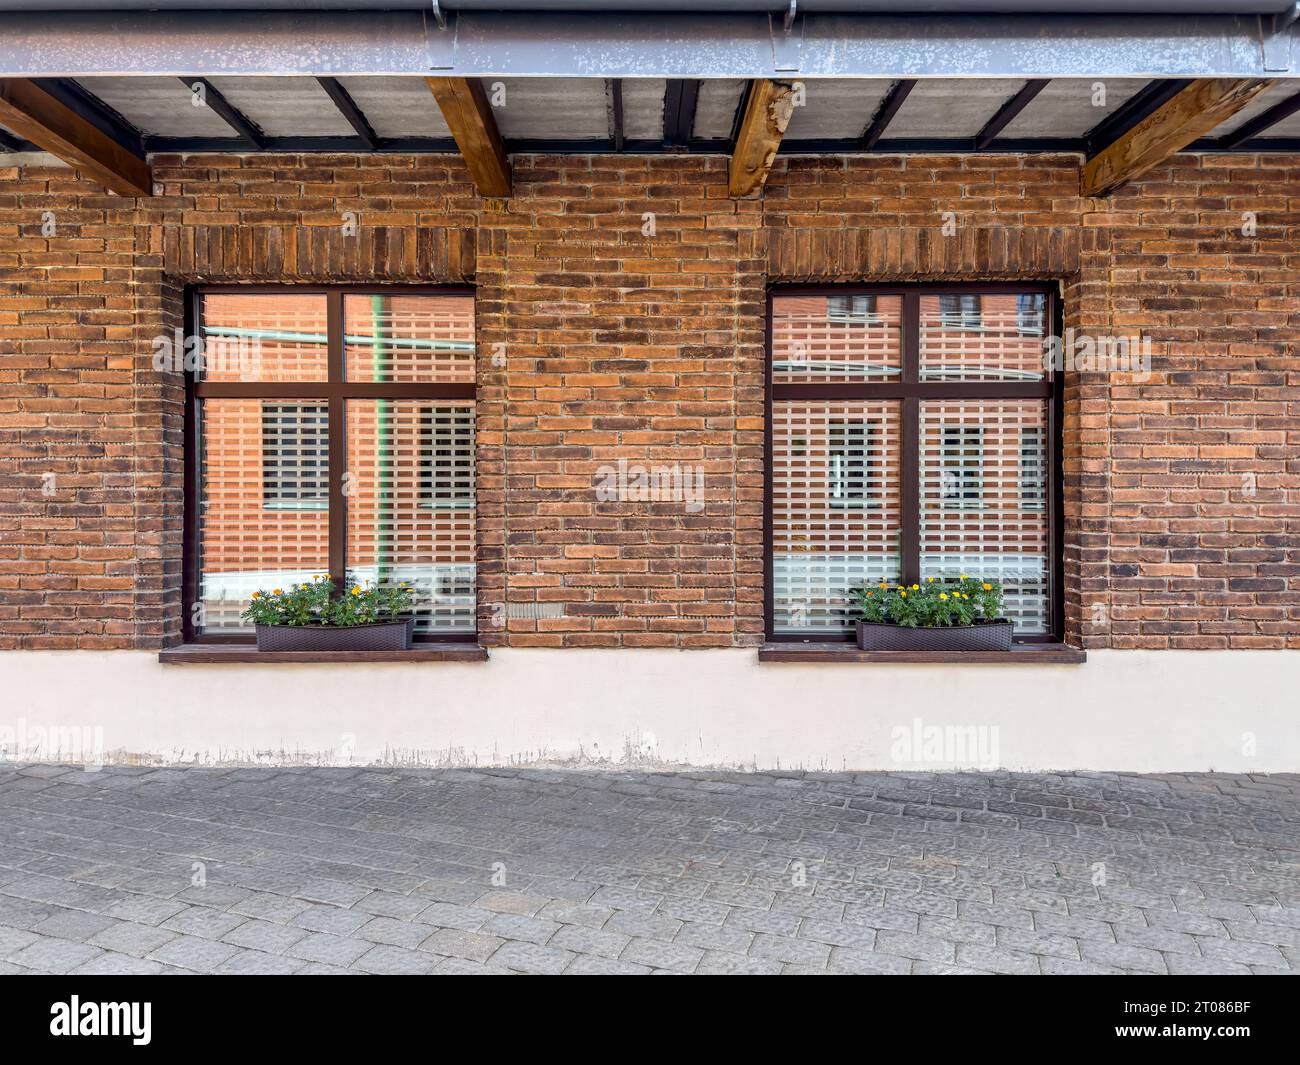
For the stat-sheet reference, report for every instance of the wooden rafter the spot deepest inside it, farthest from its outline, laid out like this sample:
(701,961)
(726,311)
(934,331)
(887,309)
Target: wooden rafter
(767,114)
(465,106)
(31,112)
(1187,116)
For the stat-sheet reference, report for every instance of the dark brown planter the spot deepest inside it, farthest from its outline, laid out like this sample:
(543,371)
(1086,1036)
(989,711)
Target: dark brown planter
(380,636)
(984,636)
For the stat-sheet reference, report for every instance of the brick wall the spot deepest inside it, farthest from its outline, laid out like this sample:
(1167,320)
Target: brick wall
(612,341)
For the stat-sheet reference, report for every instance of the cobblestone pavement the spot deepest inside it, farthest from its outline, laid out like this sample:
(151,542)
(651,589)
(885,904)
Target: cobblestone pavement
(133,870)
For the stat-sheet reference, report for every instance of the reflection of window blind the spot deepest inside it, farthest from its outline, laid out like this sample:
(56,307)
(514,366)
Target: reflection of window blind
(295,455)
(963,464)
(851,308)
(960,311)
(1033,484)
(447,456)
(849,480)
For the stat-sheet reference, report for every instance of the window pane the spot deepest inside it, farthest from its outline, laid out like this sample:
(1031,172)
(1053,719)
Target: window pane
(836,338)
(410,339)
(982,337)
(975,519)
(270,337)
(835,506)
(253,464)
(411,503)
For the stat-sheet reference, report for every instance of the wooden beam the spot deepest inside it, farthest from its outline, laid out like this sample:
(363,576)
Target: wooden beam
(767,113)
(469,117)
(31,112)
(1187,116)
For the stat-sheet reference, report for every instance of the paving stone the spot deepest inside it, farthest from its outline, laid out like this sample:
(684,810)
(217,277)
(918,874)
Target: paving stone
(530,958)
(50,955)
(511,902)
(921,948)
(127,937)
(144,909)
(73,924)
(389,960)
(265,936)
(604,943)
(203,922)
(332,919)
(719,963)
(676,957)
(1135,959)
(517,926)
(454,915)
(336,950)
(460,943)
(996,960)
(868,962)
(793,951)
(191,952)
(394,932)
(110,963)
(645,925)
(591,965)
(259,963)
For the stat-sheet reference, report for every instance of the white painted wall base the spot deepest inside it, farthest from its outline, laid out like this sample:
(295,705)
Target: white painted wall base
(1139,711)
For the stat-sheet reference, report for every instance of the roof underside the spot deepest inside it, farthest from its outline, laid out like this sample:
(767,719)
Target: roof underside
(644,115)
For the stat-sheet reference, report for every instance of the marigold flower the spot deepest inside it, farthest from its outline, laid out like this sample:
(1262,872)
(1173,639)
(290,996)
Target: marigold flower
(276,592)
(257,595)
(943,595)
(356,590)
(988,587)
(916,587)
(902,593)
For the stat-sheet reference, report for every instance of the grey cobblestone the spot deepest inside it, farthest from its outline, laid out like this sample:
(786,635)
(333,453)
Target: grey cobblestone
(323,871)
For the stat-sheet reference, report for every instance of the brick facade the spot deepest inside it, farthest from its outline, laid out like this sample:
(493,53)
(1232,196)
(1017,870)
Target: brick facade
(621,314)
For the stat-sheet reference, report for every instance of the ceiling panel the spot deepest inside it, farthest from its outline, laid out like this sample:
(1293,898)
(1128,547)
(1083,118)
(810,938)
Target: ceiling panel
(1270,97)
(643,108)
(1069,107)
(715,108)
(285,107)
(397,107)
(941,107)
(836,109)
(549,108)
(162,107)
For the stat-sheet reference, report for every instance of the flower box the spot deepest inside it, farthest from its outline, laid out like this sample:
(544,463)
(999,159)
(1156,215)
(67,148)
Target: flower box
(982,636)
(378,636)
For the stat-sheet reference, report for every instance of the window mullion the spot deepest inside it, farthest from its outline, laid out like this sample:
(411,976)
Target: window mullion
(338,523)
(909,483)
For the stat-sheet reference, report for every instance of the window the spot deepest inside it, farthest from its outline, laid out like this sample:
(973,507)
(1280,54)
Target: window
(850,462)
(333,435)
(936,470)
(295,449)
(959,310)
(1029,313)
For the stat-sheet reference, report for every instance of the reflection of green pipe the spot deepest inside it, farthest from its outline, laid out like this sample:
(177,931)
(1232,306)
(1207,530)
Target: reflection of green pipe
(378,357)
(354,340)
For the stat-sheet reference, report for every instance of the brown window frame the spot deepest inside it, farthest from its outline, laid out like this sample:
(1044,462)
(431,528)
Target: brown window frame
(335,391)
(910,389)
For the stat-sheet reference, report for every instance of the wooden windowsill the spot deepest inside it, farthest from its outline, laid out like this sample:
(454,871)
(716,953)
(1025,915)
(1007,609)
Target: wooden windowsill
(1020,654)
(217,653)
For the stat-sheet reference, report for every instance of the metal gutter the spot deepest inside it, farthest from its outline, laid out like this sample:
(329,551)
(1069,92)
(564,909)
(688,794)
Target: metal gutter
(551,44)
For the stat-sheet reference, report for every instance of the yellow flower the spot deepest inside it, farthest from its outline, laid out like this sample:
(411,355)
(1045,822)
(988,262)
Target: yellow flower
(964,577)
(929,580)
(964,596)
(870,594)
(988,587)
(902,593)
(276,592)
(943,595)
(257,595)
(356,590)
(916,587)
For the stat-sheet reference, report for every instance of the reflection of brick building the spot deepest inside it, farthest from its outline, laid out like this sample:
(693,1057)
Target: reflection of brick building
(409,480)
